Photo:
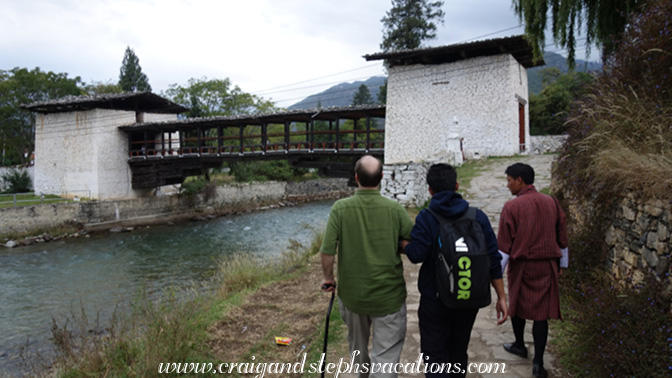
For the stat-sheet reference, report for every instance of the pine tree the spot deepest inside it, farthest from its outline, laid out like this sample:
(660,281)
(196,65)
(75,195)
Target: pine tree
(409,23)
(362,97)
(382,93)
(131,78)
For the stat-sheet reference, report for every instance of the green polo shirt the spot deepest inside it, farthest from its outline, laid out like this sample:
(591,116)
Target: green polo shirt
(364,230)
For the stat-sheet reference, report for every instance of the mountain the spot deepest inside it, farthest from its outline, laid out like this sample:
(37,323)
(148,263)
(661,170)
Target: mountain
(560,62)
(341,94)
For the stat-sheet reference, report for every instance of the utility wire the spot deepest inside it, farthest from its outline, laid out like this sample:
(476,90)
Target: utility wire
(550,43)
(319,78)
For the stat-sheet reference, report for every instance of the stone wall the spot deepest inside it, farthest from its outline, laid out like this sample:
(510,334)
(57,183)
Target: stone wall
(545,144)
(639,239)
(405,183)
(97,215)
(318,189)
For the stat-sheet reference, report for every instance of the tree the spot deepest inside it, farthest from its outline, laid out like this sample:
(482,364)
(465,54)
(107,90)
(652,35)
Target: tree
(216,97)
(20,86)
(131,78)
(16,181)
(409,23)
(549,109)
(362,97)
(100,88)
(605,21)
(382,93)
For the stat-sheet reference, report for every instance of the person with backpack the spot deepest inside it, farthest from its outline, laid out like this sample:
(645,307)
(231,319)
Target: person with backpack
(458,250)
(532,236)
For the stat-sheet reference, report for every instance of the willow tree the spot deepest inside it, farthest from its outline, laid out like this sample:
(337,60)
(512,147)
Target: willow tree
(602,21)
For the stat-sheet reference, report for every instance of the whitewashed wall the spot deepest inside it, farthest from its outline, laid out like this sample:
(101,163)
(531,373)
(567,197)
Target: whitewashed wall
(84,154)
(477,97)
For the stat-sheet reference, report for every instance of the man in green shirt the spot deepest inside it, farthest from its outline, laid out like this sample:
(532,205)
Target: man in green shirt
(364,231)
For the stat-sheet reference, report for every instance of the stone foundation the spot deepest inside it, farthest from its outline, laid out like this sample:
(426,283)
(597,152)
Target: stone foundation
(407,183)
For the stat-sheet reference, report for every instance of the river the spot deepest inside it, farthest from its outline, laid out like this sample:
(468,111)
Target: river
(97,272)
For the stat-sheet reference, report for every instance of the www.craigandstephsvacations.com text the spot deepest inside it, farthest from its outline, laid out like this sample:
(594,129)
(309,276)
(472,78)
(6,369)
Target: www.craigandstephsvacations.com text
(332,368)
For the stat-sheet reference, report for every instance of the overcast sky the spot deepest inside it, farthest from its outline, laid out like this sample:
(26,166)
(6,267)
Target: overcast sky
(282,50)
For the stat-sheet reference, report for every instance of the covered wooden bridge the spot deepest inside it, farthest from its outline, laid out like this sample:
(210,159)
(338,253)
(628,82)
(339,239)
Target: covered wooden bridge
(330,139)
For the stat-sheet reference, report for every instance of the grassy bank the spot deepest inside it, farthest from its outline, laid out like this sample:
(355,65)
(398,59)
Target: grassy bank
(29,199)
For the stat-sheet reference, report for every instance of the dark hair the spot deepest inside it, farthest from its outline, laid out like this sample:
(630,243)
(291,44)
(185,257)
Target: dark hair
(368,177)
(441,177)
(521,170)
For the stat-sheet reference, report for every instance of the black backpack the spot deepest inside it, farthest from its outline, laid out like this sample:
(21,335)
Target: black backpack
(462,262)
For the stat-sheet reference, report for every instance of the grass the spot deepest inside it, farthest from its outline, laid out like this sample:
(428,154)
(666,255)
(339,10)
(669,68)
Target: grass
(29,199)
(337,344)
(468,171)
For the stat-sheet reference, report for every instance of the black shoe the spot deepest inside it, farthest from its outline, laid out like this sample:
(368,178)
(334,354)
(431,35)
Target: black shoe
(539,371)
(515,349)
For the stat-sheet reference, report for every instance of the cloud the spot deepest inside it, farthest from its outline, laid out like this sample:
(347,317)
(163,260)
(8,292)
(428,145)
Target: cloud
(258,44)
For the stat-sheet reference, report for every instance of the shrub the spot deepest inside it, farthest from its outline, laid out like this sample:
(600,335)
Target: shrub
(617,331)
(17,181)
(279,170)
(549,109)
(192,187)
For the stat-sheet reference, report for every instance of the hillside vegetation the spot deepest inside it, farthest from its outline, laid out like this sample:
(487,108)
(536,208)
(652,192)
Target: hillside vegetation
(620,143)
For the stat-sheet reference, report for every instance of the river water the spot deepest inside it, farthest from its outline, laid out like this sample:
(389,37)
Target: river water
(96,273)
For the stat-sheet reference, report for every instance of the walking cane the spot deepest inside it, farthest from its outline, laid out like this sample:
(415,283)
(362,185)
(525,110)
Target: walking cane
(326,327)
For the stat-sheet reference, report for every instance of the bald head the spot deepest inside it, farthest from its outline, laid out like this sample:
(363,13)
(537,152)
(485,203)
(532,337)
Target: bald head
(368,171)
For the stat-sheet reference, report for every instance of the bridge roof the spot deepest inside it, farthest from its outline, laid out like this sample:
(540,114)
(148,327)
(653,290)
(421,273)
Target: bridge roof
(135,101)
(300,115)
(515,45)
